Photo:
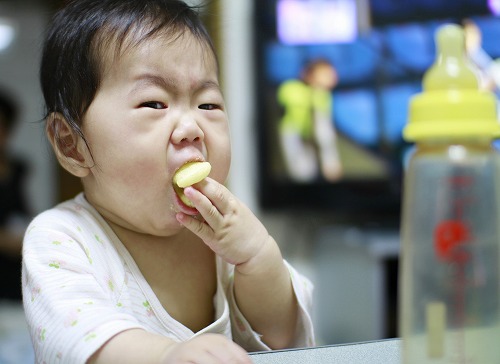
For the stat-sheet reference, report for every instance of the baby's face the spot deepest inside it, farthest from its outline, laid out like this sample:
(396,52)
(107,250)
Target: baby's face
(158,107)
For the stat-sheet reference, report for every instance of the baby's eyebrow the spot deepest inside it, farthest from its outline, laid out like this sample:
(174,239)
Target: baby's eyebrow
(146,80)
(207,85)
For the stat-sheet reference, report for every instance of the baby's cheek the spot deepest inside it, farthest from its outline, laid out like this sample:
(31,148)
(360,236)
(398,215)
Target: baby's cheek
(221,166)
(217,151)
(138,174)
(220,175)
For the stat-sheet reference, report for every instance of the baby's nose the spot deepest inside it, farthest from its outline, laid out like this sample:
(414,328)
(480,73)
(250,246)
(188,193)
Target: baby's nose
(187,130)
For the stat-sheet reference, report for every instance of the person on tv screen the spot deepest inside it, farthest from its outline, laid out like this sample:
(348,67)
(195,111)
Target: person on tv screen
(306,129)
(488,67)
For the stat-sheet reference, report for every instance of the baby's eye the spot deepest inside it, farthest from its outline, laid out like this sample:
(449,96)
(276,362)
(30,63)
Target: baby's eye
(154,105)
(209,107)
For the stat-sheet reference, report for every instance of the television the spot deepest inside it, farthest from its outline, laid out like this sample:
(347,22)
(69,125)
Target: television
(379,61)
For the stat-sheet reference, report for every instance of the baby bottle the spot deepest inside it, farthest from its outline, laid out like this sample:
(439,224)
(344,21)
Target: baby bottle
(449,277)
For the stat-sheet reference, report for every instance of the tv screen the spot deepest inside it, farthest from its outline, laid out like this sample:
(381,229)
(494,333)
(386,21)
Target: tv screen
(332,97)
(320,21)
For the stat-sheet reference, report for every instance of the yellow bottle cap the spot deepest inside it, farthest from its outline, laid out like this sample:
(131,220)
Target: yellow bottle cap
(451,104)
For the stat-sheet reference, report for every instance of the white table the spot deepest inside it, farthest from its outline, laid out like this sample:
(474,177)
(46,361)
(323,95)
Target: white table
(373,352)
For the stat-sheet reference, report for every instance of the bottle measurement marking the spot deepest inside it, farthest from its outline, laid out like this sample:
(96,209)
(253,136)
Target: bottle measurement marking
(452,239)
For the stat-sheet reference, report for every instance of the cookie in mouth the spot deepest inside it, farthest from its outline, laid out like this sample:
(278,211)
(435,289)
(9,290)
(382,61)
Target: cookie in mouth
(189,174)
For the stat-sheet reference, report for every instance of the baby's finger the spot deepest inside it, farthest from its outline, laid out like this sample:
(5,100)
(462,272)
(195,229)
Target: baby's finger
(198,227)
(205,207)
(218,194)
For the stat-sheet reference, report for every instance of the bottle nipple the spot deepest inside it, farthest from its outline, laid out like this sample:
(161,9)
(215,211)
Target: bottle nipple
(451,106)
(451,69)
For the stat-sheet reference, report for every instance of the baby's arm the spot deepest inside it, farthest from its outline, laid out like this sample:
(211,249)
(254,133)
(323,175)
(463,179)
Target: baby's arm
(71,290)
(264,294)
(139,346)
(262,283)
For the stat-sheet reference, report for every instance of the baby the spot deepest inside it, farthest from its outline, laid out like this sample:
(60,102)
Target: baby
(127,272)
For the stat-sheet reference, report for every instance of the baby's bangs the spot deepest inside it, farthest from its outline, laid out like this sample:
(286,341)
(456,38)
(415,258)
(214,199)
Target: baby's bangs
(125,31)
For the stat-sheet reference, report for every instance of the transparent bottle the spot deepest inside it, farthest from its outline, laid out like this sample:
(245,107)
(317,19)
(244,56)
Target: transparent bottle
(450,258)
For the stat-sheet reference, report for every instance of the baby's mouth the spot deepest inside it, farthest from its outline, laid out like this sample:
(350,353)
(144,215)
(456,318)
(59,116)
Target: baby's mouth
(189,174)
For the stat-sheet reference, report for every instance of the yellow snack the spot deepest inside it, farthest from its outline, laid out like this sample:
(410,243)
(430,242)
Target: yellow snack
(189,174)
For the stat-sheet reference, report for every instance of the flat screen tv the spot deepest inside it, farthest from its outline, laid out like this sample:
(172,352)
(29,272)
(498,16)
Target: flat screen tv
(379,60)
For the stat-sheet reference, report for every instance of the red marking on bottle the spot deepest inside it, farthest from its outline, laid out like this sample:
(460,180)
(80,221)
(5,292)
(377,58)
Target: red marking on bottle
(448,235)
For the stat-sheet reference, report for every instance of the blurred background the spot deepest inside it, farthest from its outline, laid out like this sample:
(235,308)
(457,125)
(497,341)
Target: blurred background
(342,234)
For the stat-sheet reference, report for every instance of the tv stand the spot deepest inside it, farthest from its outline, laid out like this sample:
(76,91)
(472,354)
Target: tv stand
(355,284)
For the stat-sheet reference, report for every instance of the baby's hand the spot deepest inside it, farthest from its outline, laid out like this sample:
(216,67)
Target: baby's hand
(206,349)
(229,228)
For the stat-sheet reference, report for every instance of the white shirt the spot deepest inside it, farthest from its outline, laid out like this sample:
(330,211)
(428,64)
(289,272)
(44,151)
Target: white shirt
(81,287)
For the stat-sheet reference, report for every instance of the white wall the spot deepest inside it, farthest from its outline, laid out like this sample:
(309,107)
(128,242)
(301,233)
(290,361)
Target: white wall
(238,83)
(19,73)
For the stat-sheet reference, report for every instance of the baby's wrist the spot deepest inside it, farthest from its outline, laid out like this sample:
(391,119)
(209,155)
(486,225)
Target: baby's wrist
(263,261)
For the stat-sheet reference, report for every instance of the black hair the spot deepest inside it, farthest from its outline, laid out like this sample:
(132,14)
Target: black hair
(82,32)
(9,110)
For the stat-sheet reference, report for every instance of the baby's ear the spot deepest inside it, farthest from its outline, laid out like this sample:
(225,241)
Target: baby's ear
(70,149)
